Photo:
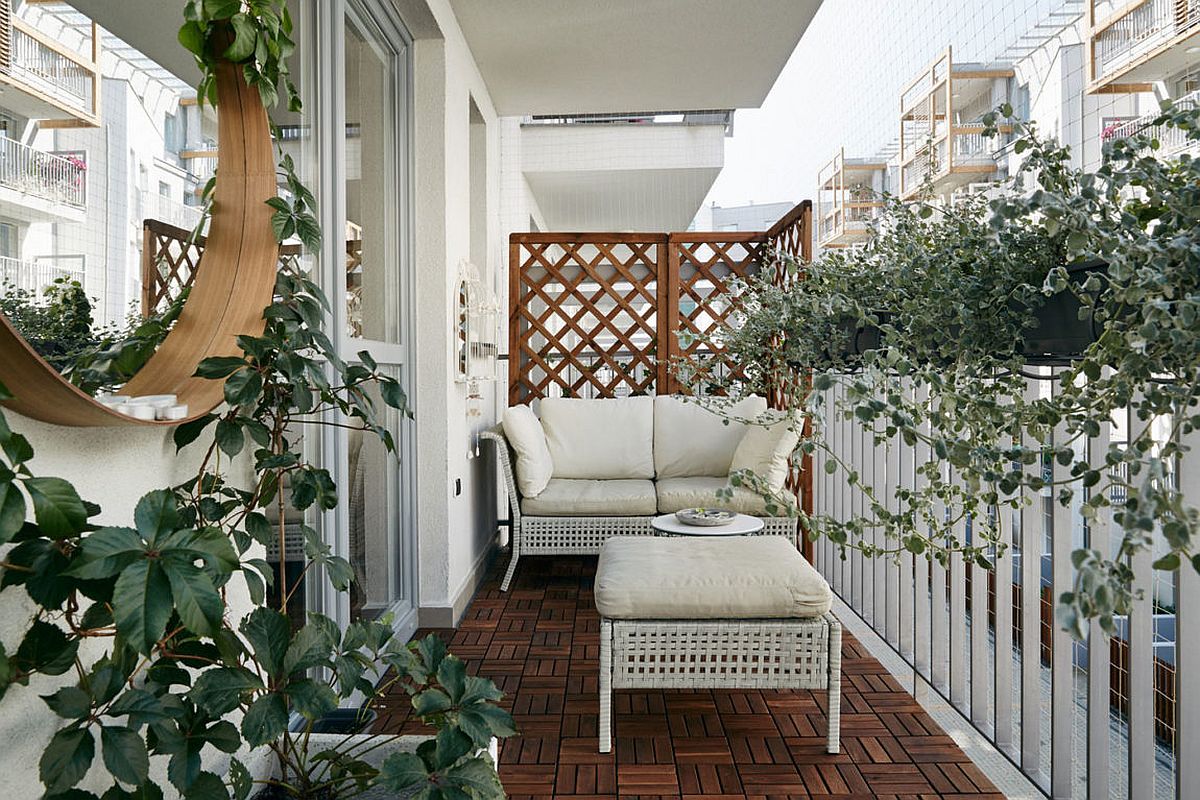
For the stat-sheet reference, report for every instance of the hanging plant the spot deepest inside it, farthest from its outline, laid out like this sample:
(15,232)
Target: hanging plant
(1098,272)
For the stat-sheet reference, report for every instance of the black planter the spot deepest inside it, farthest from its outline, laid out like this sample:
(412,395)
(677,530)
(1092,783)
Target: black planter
(345,721)
(1059,336)
(850,343)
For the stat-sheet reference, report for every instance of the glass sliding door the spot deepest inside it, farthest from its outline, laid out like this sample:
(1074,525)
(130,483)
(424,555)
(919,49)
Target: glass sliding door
(376,255)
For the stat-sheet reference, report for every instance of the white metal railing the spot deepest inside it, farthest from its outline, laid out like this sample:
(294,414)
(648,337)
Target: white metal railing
(1102,718)
(49,70)
(34,276)
(1171,140)
(173,212)
(1141,30)
(57,178)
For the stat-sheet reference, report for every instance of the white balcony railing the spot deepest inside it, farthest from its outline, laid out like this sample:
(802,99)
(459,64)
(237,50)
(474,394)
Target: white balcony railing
(1170,140)
(52,177)
(52,71)
(34,276)
(1141,30)
(172,212)
(1099,718)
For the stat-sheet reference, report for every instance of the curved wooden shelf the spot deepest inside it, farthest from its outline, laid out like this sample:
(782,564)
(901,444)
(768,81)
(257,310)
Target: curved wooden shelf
(227,298)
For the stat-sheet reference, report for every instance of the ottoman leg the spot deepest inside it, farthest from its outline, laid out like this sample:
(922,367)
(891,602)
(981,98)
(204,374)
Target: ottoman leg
(605,686)
(833,744)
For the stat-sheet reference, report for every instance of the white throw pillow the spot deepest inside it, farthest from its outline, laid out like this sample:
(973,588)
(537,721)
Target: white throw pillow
(765,449)
(534,465)
(600,439)
(691,441)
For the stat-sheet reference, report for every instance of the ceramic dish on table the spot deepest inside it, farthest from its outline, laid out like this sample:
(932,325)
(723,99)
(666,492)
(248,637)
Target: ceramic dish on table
(705,517)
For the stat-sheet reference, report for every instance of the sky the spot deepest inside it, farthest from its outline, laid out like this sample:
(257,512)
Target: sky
(841,87)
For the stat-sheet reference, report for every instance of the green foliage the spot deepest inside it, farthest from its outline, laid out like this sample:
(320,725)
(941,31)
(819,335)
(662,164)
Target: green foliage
(953,293)
(116,356)
(58,326)
(177,668)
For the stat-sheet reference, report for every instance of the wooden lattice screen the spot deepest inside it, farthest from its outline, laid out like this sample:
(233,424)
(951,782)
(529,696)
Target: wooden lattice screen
(599,314)
(171,256)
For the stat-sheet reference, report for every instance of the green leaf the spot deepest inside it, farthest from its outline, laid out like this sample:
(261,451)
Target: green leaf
(240,780)
(191,36)
(56,507)
(66,759)
(46,649)
(477,776)
(142,605)
(483,721)
(402,771)
(196,600)
(218,691)
(107,552)
(245,37)
(156,515)
(310,648)
(12,510)
(124,754)
(230,437)
(452,675)
(430,701)
(242,388)
(188,432)
(70,702)
(311,699)
(219,366)
(207,786)
(265,720)
(451,744)
(269,633)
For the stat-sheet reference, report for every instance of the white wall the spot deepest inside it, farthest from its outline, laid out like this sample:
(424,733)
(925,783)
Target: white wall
(456,532)
(112,467)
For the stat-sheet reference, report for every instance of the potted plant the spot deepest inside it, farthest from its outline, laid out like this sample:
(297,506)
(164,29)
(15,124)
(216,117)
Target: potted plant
(172,671)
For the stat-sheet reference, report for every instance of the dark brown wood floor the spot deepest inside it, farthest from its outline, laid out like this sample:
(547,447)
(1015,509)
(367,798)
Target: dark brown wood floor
(540,644)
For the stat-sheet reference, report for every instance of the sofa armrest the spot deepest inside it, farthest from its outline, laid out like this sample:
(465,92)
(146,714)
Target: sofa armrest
(504,460)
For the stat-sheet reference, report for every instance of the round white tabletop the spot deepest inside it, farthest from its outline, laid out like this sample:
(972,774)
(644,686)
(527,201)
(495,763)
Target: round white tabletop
(740,525)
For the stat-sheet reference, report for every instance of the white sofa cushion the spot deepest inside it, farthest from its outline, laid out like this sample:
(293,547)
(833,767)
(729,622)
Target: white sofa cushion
(690,440)
(734,577)
(564,497)
(765,449)
(675,494)
(534,466)
(599,439)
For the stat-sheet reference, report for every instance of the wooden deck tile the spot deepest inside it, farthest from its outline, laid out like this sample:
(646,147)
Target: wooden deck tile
(540,644)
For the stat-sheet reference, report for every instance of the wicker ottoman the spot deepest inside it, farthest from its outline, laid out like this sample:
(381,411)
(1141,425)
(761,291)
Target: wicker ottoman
(740,612)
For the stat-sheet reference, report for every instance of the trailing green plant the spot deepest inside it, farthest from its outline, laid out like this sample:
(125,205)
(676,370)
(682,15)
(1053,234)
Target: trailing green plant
(953,291)
(178,675)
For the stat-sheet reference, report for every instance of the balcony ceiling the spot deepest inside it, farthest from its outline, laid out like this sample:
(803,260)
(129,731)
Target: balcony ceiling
(551,57)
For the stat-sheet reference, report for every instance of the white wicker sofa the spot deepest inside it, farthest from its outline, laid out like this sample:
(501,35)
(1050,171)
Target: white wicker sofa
(590,469)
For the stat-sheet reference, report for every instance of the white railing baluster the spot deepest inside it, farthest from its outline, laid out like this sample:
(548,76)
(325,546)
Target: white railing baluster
(1099,701)
(940,616)
(857,438)
(1003,656)
(1062,667)
(958,619)
(1141,663)
(1030,518)
(980,685)
(921,609)
(883,611)
(895,585)
(1187,643)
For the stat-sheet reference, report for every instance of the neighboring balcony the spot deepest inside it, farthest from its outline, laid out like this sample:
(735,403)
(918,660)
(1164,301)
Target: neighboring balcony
(942,145)
(164,209)
(621,172)
(34,276)
(1170,140)
(849,200)
(40,186)
(46,81)
(1132,45)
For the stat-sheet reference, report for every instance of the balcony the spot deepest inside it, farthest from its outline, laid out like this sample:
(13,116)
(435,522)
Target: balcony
(39,186)
(159,207)
(849,199)
(33,276)
(49,82)
(942,146)
(1133,45)
(1170,140)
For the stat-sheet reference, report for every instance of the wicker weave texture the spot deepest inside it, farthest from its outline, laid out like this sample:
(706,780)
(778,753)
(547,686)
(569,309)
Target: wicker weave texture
(721,654)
